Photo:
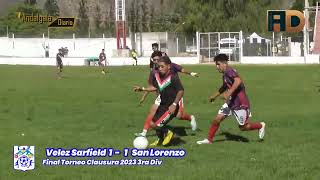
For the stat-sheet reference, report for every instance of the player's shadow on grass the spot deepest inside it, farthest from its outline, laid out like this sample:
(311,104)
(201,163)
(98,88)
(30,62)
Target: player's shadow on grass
(177,130)
(181,130)
(176,141)
(232,137)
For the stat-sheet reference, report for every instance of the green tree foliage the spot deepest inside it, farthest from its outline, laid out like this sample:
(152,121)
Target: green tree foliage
(18,27)
(83,20)
(52,8)
(30,2)
(110,22)
(99,27)
(145,16)
(224,15)
(186,16)
(133,17)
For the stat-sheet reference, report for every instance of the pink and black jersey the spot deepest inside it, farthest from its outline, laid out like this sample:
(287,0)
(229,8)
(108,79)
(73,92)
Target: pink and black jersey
(239,99)
(175,69)
(167,86)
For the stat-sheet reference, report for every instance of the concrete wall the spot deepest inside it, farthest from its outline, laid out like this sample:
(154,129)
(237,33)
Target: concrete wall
(311,59)
(81,61)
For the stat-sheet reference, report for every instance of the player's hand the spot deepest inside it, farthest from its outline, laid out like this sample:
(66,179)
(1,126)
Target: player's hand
(137,88)
(172,109)
(142,100)
(212,98)
(194,74)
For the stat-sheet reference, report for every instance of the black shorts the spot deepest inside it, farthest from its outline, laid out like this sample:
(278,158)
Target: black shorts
(162,116)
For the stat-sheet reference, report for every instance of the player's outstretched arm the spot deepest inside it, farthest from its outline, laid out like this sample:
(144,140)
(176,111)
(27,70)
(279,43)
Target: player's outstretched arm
(148,89)
(144,96)
(221,90)
(214,96)
(194,74)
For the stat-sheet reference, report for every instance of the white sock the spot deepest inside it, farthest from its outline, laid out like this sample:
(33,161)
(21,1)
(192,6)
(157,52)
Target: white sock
(144,132)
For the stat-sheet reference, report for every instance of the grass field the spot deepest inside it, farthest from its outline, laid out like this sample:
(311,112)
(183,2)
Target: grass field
(88,109)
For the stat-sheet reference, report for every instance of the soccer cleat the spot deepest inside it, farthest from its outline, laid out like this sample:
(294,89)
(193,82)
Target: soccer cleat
(262,130)
(167,138)
(103,72)
(142,134)
(155,143)
(193,123)
(205,141)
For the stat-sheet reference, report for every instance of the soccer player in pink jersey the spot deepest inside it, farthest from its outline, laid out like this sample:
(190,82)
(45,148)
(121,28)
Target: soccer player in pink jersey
(182,115)
(170,89)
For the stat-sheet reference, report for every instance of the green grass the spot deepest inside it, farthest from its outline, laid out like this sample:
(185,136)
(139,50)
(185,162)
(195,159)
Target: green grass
(88,109)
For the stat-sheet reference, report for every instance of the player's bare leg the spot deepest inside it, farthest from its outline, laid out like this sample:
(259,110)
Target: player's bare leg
(182,115)
(148,121)
(59,73)
(254,126)
(187,117)
(101,64)
(213,129)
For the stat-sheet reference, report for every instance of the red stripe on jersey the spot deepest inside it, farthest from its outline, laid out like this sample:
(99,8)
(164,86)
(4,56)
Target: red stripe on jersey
(163,118)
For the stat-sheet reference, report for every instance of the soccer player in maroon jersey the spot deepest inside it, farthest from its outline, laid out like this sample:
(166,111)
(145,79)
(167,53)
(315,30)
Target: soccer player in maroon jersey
(237,102)
(168,85)
(102,57)
(175,68)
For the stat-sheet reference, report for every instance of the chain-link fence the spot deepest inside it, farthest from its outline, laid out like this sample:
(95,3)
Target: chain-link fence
(173,43)
(256,45)
(213,43)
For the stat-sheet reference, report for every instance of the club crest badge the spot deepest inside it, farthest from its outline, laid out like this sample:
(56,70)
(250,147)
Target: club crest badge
(23,158)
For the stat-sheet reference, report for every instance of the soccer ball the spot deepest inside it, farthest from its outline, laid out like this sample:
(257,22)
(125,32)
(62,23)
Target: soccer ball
(140,142)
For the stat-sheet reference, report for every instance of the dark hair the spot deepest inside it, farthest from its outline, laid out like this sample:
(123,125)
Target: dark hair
(155,44)
(102,49)
(221,58)
(156,53)
(165,59)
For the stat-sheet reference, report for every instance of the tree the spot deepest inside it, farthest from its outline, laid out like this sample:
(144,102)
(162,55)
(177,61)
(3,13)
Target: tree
(20,28)
(152,17)
(133,17)
(99,29)
(52,8)
(83,20)
(30,2)
(225,15)
(111,21)
(145,16)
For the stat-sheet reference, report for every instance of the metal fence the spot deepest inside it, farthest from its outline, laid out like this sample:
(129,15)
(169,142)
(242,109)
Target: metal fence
(213,43)
(173,43)
(275,45)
